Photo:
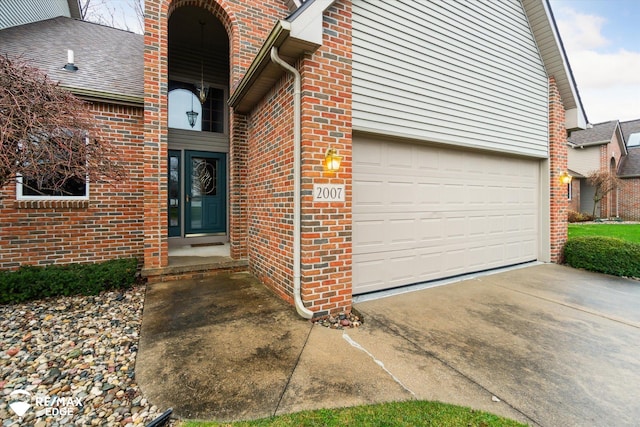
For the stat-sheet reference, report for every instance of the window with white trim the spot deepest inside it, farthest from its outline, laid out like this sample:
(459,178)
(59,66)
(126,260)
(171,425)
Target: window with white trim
(55,187)
(33,189)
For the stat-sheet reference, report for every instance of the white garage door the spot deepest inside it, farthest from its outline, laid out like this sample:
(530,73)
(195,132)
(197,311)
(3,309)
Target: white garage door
(422,212)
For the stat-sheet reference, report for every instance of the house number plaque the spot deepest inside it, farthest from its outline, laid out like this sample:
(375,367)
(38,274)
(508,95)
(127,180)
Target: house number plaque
(328,193)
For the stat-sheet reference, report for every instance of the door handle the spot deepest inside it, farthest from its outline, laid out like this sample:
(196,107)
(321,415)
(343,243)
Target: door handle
(188,198)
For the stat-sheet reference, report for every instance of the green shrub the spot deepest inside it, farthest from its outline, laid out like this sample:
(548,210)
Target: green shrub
(574,216)
(30,282)
(603,254)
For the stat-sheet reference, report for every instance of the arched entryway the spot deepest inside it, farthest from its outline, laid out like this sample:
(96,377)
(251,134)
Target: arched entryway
(198,128)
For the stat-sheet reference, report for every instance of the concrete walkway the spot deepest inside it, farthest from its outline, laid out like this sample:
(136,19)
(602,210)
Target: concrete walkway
(555,345)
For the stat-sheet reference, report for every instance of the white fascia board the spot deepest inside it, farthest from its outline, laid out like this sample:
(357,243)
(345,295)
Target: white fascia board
(307,26)
(575,119)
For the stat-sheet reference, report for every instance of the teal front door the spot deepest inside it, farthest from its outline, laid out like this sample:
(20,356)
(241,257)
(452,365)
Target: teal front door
(205,192)
(197,193)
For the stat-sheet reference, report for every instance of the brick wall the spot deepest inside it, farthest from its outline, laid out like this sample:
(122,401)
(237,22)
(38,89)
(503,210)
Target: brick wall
(107,226)
(629,196)
(269,177)
(557,165)
(326,118)
(326,227)
(609,204)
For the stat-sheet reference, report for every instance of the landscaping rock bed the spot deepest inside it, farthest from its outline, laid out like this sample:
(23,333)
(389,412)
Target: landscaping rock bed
(75,356)
(341,321)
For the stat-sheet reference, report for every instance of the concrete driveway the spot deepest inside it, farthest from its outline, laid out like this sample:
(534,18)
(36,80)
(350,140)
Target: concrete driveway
(557,346)
(546,344)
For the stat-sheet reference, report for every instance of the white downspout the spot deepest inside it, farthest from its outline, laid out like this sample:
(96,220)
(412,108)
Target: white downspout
(297,298)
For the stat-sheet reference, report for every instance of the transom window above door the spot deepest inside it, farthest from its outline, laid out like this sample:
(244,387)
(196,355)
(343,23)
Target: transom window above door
(186,112)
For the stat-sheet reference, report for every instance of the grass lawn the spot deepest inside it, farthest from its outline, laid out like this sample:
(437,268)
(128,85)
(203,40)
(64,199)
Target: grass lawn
(628,232)
(411,413)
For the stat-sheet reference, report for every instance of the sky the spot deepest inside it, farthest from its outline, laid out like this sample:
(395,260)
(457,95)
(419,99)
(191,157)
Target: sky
(602,41)
(601,38)
(115,13)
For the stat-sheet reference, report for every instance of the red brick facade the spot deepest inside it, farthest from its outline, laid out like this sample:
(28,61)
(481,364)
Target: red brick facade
(610,155)
(107,226)
(557,165)
(326,123)
(132,219)
(629,199)
(326,228)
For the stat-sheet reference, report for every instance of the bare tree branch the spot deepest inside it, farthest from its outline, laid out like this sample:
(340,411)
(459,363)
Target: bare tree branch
(604,182)
(117,15)
(47,135)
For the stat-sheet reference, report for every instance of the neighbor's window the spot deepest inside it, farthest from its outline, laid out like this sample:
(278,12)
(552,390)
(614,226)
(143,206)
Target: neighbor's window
(183,98)
(569,191)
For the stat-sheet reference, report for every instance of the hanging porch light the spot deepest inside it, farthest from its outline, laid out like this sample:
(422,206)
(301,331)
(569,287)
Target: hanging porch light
(202,89)
(192,115)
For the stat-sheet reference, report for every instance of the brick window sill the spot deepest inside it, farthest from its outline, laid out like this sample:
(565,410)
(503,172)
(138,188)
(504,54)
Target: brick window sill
(51,204)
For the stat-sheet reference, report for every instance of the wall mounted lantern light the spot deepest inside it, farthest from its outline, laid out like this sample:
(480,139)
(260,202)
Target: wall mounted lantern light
(332,160)
(565,178)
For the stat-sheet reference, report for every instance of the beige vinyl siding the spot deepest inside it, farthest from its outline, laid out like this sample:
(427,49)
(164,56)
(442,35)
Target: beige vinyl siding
(584,160)
(462,73)
(19,12)
(185,66)
(194,140)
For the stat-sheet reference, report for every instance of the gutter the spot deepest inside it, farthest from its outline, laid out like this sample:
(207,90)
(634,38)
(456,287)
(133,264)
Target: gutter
(297,138)
(108,97)
(588,144)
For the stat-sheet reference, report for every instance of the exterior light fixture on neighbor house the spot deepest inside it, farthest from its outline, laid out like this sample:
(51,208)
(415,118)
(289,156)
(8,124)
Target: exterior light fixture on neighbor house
(332,160)
(69,66)
(565,178)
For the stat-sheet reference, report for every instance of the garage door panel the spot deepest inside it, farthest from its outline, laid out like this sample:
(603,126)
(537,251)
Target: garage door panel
(422,212)
(401,193)
(368,194)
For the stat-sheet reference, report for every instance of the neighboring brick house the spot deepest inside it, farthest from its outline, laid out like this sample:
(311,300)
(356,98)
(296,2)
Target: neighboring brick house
(610,146)
(452,137)
(629,172)
(599,147)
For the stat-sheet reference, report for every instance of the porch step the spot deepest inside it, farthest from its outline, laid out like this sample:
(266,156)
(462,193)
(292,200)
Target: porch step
(183,268)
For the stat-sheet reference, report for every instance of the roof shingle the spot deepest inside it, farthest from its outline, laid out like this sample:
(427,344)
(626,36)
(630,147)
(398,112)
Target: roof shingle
(630,165)
(599,133)
(629,127)
(109,60)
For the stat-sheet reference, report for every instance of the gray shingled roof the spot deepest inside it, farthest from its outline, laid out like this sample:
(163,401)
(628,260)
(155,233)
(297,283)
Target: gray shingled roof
(629,127)
(630,165)
(110,61)
(600,133)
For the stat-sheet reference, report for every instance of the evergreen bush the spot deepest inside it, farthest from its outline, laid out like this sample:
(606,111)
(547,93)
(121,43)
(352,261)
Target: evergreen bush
(34,282)
(603,254)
